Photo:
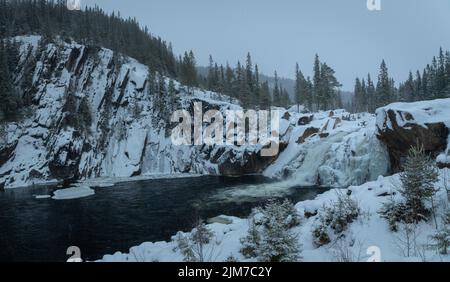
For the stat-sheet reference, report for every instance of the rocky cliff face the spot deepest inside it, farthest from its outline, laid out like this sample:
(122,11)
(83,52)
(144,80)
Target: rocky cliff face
(120,141)
(402,125)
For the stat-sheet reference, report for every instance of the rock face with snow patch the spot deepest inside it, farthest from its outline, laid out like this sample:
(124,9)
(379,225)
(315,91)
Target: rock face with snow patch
(403,125)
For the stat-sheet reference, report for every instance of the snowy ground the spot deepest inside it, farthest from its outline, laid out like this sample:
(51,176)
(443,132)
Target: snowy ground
(368,233)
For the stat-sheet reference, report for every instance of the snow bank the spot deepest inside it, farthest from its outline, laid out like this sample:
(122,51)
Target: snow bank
(368,231)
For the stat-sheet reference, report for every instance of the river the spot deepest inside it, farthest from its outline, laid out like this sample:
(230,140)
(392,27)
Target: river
(125,215)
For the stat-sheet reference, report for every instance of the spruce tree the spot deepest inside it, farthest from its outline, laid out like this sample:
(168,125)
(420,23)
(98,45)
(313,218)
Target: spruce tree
(383,90)
(300,87)
(418,87)
(257,88)
(328,86)
(265,101)
(418,180)
(370,95)
(229,79)
(317,93)
(276,92)
(10,102)
(309,90)
(249,73)
(211,77)
(441,239)
(357,96)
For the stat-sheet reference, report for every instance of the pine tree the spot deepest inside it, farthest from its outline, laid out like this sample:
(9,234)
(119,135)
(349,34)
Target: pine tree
(371,95)
(278,243)
(221,83)
(188,70)
(357,98)
(152,83)
(383,90)
(10,102)
(300,87)
(250,244)
(276,92)
(441,239)
(237,81)
(229,79)
(363,96)
(285,99)
(328,85)
(269,238)
(418,87)
(265,101)
(211,75)
(407,92)
(418,180)
(257,88)
(249,73)
(317,88)
(309,90)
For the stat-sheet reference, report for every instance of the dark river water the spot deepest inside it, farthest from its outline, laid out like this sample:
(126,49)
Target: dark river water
(117,218)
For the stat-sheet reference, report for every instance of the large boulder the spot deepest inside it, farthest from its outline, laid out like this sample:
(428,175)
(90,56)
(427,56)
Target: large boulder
(403,125)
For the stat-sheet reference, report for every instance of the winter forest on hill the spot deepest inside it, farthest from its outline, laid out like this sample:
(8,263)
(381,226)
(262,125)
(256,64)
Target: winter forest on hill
(92,104)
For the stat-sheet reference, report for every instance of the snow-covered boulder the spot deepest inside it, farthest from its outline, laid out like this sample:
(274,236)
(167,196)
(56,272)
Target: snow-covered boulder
(427,123)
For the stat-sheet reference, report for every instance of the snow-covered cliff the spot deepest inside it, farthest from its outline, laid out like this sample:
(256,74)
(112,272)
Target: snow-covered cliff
(120,142)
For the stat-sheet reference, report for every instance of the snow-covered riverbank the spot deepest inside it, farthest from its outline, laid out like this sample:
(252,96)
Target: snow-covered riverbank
(369,231)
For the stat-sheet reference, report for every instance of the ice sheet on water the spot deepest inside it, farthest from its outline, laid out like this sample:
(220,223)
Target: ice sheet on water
(73,193)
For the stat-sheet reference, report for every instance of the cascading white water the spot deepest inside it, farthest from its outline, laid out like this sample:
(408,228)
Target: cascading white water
(307,173)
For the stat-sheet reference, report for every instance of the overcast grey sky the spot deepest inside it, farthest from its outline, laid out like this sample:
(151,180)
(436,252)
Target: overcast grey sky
(278,33)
